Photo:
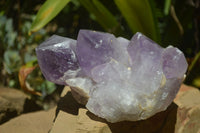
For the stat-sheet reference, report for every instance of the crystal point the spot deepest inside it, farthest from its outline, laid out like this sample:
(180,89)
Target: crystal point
(93,48)
(57,57)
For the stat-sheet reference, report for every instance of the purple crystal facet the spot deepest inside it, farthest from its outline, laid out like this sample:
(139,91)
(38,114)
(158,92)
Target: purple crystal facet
(174,63)
(96,48)
(56,56)
(93,48)
(145,61)
(121,79)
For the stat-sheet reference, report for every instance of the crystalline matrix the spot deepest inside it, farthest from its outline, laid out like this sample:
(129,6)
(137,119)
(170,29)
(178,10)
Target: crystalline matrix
(116,78)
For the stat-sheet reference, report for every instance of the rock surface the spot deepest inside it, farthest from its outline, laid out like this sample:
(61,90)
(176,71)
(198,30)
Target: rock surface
(124,80)
(74,118)
(38,122)
(14,102)
(184,118)
(188,113)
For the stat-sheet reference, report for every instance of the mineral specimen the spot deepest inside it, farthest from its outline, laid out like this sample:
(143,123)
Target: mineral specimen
(120,79)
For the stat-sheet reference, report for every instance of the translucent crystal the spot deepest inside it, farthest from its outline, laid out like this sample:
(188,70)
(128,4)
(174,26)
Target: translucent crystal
(95,48)
(120,79)
(57,59)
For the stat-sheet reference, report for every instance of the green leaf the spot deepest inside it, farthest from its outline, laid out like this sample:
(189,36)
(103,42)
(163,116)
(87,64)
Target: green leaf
(193,73)
(194,62)
(167,7)
(103,16)
(139,16)
(47,12)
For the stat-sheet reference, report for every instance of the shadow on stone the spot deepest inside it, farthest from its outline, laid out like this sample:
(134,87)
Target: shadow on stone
(94,117)
(13,103)
(31,106)
(163,122)
(9,114)
(68,104)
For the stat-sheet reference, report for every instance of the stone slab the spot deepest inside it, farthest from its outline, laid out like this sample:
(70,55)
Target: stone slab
(37,122)
(75,118)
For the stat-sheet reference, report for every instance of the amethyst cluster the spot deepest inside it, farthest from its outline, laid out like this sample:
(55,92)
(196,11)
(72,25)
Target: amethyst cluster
(116,78)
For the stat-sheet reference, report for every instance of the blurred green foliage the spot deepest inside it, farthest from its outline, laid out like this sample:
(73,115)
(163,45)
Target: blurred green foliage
(17,48)
(166,22)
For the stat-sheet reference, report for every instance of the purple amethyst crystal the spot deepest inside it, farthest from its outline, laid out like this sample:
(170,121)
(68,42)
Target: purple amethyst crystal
(120,79)
(97,48)
(56,56)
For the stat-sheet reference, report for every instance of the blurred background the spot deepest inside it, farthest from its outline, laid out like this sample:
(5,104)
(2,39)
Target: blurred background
(24,24)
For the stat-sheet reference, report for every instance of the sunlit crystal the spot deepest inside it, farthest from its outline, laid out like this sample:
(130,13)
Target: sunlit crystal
(121,79)
(56,57)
